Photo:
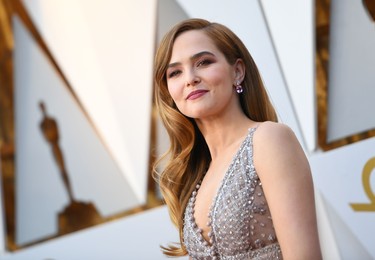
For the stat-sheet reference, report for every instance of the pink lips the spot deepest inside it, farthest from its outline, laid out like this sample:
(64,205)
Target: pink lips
(196,94)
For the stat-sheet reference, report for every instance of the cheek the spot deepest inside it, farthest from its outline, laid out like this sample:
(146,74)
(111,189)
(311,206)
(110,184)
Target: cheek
(174,90)
(220,75)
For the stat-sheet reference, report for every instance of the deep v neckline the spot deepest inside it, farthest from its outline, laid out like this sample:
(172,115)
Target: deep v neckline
(229,169)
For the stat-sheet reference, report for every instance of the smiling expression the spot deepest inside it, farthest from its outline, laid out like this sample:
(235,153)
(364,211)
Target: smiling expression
(199,78)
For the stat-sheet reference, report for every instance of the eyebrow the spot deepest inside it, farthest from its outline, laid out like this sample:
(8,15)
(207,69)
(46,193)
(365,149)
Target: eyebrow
(195,56)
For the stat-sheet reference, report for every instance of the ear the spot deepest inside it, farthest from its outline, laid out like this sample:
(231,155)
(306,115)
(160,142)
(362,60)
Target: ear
(239,70)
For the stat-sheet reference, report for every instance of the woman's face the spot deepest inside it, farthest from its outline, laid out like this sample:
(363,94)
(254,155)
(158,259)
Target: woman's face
(199,78)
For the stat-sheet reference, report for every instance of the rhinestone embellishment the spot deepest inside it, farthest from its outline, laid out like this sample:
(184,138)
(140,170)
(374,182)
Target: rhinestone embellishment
(239,220)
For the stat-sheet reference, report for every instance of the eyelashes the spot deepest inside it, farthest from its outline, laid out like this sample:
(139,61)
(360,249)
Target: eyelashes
(173,73)
(204,62)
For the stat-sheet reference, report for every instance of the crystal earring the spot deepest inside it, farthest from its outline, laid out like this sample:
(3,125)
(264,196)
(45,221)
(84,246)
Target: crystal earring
(239,88)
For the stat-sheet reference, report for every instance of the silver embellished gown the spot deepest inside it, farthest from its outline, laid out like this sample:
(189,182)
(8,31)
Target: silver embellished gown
(240,221)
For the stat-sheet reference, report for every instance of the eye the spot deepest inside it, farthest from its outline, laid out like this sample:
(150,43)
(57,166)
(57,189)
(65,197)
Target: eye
(204,62)
(173,73)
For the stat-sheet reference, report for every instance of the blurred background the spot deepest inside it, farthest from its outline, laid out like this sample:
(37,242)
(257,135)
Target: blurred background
(79,131)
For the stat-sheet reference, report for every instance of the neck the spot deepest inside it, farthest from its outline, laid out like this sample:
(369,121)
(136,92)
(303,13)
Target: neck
(223,133)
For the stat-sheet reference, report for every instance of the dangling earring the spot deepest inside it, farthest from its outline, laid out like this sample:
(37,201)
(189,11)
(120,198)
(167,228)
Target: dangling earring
(239,88)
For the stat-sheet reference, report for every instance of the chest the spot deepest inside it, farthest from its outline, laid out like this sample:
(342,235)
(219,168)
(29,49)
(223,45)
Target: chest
(207,192)
(233,217)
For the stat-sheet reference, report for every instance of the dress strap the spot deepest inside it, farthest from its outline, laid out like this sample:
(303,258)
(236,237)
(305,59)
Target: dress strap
(250,145)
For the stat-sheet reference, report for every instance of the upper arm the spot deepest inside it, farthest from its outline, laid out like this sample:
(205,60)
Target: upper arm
(288,186)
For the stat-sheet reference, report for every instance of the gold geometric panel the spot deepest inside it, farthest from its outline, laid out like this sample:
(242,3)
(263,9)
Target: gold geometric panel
(323,16)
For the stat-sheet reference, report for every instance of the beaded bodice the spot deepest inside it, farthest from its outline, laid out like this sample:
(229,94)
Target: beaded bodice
(239,219)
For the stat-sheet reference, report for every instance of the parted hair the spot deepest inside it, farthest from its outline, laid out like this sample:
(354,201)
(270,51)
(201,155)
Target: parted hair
(188,156)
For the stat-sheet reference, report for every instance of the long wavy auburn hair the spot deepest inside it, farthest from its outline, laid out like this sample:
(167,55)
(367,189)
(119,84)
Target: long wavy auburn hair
(188,156)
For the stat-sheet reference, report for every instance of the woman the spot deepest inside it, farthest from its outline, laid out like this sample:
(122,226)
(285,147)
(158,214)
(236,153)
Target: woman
(230,166)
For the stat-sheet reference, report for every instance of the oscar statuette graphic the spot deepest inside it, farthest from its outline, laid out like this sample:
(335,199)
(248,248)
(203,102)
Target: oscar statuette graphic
(366,176)
(77,214)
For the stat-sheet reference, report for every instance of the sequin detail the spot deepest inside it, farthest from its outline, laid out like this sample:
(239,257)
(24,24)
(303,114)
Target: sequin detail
(239,219)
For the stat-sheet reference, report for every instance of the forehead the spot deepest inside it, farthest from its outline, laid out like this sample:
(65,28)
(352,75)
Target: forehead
(190,43)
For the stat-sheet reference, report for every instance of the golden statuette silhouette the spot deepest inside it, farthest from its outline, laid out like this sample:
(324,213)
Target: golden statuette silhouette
(50,131)
(77,214)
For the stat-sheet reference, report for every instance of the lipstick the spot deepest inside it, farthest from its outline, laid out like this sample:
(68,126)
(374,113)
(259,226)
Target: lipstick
(196,94)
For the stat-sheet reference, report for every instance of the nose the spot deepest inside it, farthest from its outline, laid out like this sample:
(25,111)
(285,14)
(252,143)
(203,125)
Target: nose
(192,79)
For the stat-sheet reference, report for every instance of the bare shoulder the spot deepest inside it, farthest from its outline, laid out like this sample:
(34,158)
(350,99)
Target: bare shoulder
(274,133)
(275,144)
